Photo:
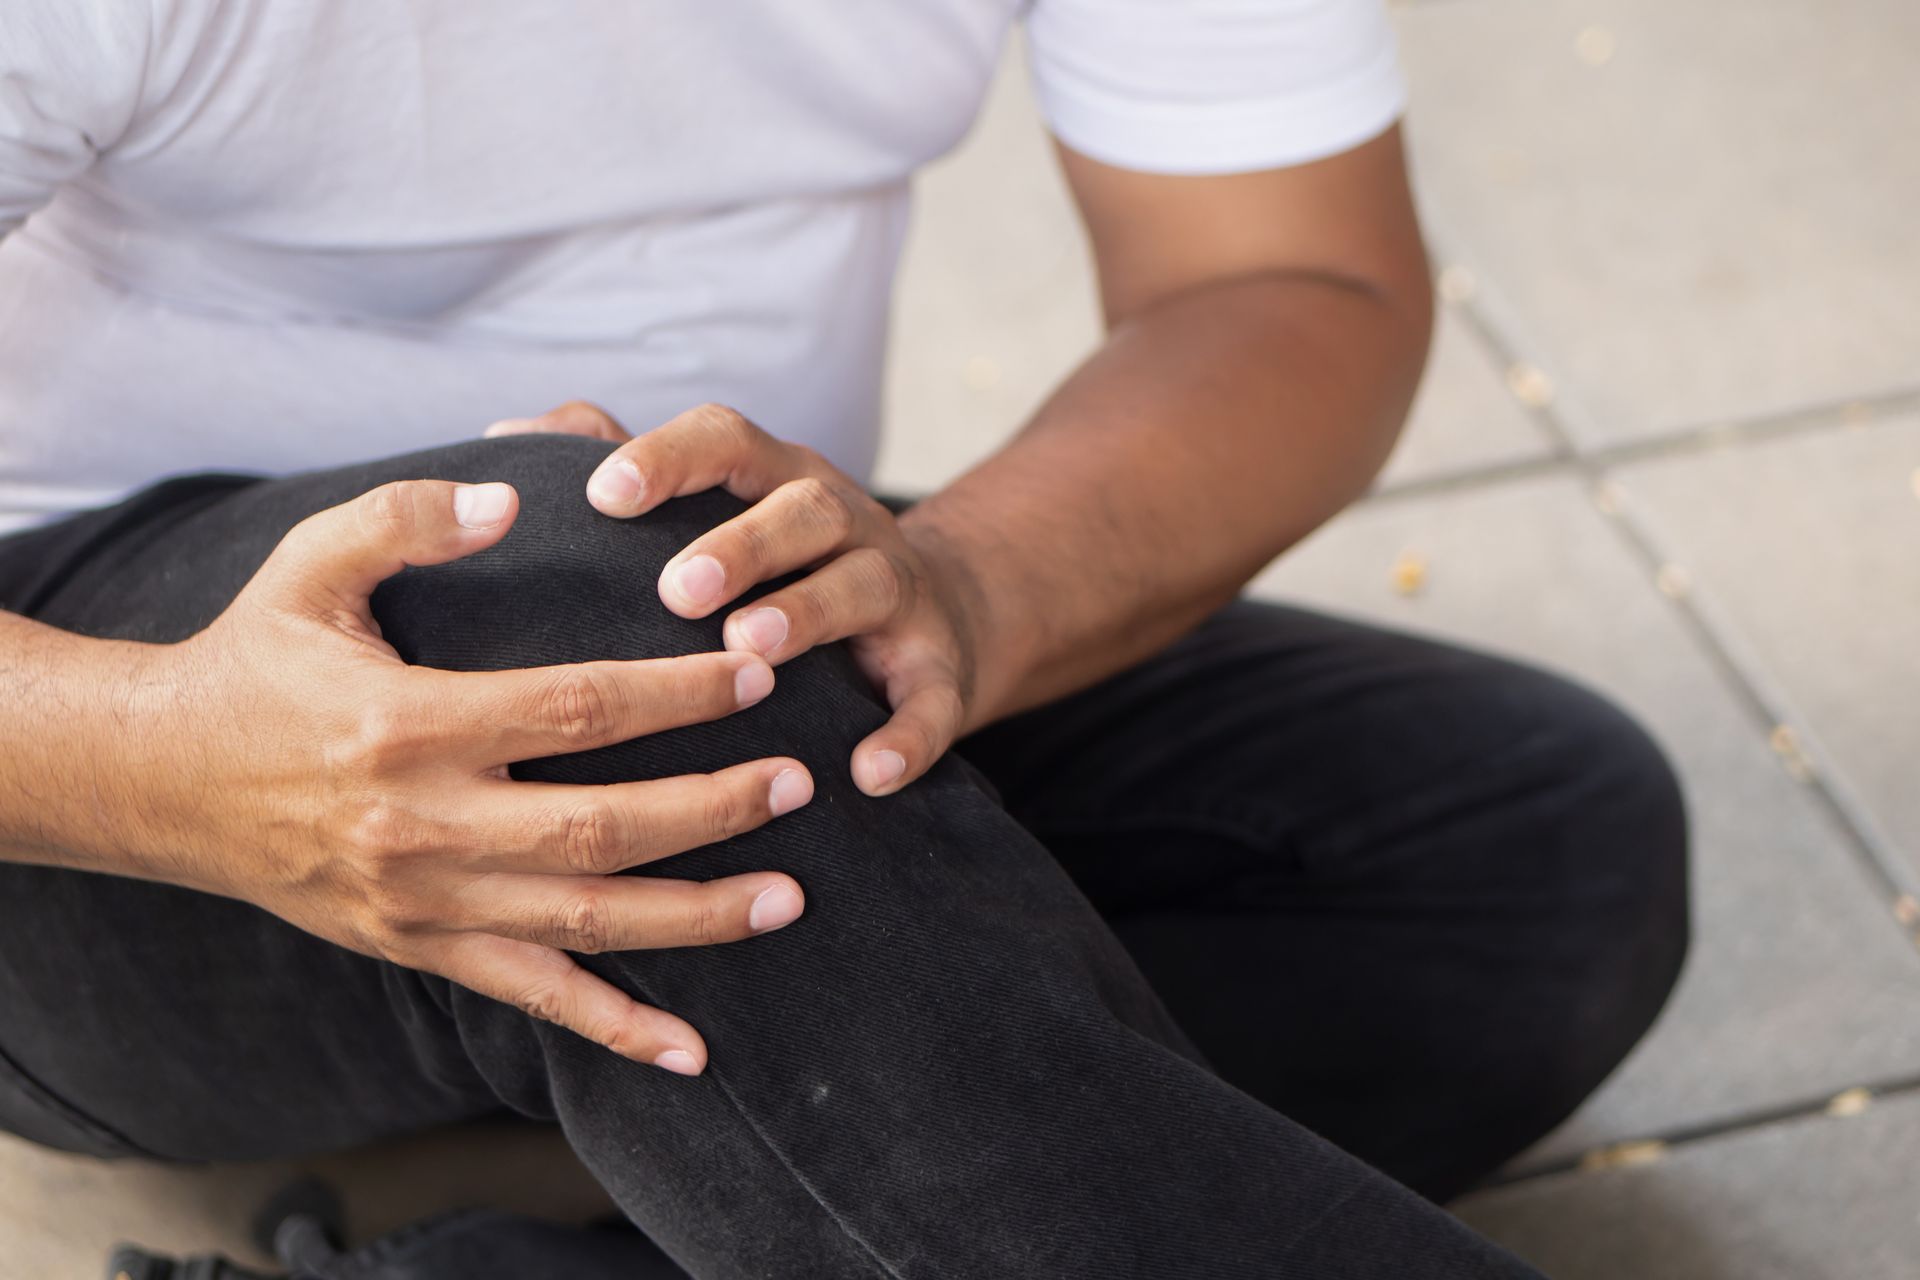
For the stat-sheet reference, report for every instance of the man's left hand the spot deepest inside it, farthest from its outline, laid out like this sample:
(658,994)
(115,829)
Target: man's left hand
(901,605)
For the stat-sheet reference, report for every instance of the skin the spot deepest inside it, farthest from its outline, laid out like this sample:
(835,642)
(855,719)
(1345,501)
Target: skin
(1266,332)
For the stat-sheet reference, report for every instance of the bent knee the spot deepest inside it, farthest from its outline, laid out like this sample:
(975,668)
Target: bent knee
(568,584)
(1621,822)
(1622,804)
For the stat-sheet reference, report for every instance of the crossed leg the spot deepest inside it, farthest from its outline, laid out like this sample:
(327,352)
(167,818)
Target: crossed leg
(950,1067)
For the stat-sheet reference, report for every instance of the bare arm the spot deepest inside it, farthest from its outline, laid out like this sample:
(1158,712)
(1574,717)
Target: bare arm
(1267,331)
(286,756)
(65,697)
(1266,334)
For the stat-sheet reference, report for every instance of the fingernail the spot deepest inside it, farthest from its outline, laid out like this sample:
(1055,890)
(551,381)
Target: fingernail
(615,484)
(791,788)
(481,506)
(699,580)
(752,683)
(679,1061)
(764,629)
(509,427)
(887,767)
(774,907)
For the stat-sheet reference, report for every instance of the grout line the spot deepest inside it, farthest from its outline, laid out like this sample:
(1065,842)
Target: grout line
(1750,684)
(1852,411)
(1474,477)
(1833,415)
(1714,635)
(1842,1105)
(1545,418)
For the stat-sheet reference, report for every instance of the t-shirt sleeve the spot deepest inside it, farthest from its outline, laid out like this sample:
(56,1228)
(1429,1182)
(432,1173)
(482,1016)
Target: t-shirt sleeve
(71,73)
(1214,86)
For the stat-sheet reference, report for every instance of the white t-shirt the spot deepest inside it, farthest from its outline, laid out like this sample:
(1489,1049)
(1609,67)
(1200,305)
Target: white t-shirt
(267,235)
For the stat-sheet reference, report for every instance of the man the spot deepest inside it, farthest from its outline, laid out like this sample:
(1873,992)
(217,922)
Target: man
(502,773)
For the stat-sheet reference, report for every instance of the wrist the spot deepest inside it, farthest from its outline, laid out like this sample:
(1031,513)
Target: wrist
(79,778)
(995,632)
(138,742)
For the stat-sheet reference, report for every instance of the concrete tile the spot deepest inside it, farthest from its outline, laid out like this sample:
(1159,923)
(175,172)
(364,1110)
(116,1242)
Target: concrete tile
(1820,1198)
(1463,418)
(996,303)
(1684,218)
(1810,545)
(60,1214)
(1800,984)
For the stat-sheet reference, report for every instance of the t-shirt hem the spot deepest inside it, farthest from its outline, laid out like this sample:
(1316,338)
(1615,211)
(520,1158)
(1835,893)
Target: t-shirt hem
(1236,137)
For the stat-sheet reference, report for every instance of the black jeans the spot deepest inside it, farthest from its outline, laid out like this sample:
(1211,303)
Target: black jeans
(1147,983)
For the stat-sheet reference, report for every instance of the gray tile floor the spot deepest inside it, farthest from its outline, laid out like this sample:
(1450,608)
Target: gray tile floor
(1670,443)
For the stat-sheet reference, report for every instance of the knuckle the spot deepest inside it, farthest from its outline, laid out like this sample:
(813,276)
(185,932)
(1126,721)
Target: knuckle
(824,504)
(687,685)
(948,710)
(590,840)
(584,923)
(809,459)
(880,579)
(645,832)
(705,924)
(580,706)
(582,409)
(809,608)
(388,510)
(905,578)
(400,946)
(625,1041)
(757,546)
(382,737)
(307,536)
(399,915)
(543,1002)
(947,695)
(727,422)
(726,810)
(381,833)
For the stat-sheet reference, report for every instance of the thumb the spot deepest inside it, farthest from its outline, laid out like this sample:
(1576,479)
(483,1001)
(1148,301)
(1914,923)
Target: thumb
(341,554)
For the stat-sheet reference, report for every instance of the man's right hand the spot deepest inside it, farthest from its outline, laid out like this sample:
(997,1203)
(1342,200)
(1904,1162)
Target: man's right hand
(288,757)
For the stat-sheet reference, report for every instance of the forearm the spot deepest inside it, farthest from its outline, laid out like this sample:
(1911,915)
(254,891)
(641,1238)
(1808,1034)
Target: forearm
(1212,431)
(65,707)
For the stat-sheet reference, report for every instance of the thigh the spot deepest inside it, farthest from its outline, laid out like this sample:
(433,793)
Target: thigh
(140,1018)
(150,1019)
(1421,898)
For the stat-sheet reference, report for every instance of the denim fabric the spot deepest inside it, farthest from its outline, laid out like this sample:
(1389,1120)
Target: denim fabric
(1294,875)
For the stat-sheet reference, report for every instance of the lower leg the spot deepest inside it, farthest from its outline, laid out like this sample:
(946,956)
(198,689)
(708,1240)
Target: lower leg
(1421,900)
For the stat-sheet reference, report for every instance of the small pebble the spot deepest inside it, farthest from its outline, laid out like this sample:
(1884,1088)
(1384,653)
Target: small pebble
(981,374)
(1530,386)
(1786,744)
(1456,284)
(1409,573)
(1594,46)
(1623,1155)
(1850,1102)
